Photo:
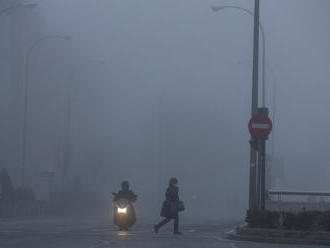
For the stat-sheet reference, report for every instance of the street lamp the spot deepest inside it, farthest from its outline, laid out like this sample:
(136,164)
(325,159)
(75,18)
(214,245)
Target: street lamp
(255,152)
(30,6)
(26,87)
(219,8)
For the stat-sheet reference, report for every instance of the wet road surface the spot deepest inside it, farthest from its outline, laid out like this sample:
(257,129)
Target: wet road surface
(100,233)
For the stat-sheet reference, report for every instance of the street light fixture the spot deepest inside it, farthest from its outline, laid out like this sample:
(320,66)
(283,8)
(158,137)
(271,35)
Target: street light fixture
(66,37)
(26,87)
(30,6)
(254,190)
(217,8)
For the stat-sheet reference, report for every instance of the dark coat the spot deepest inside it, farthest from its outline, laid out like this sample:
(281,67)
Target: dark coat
(125,194)
(170,205)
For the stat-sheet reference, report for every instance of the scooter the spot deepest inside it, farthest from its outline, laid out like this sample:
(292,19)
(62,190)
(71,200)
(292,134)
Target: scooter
(123,213)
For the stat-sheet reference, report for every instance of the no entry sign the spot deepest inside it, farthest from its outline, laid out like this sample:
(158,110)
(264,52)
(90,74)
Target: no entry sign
(260,126)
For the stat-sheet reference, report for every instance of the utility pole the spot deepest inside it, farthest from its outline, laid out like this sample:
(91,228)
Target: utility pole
(253,202)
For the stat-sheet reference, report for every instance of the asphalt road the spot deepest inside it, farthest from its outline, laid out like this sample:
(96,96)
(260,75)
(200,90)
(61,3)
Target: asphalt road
(100,233)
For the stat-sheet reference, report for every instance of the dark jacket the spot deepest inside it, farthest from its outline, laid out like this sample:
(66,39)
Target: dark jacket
(170,205)
(125,194)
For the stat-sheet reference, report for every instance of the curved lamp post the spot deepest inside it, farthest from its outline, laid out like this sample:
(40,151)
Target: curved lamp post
(257,154)
(26,87)
(30,5)
(218,8)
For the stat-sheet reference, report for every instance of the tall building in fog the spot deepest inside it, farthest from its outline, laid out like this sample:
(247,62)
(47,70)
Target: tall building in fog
(19,27)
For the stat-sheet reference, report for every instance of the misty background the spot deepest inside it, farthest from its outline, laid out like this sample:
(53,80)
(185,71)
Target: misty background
(147,90)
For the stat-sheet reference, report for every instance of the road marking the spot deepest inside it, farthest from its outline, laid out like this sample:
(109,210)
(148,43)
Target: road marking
(233,245)
(100,244)
(221,239)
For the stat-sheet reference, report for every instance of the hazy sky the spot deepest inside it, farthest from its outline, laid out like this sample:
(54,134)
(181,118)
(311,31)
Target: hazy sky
(173,97)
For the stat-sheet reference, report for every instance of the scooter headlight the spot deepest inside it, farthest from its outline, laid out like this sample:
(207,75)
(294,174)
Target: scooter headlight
(122,210)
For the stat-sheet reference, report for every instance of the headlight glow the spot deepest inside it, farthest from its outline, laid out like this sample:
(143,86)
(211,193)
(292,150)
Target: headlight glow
(122,210)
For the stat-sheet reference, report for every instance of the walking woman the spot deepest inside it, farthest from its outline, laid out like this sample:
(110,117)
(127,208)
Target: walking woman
(171,207)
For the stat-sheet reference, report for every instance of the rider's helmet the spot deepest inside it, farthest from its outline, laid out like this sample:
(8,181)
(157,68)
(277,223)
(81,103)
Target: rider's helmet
(125,185)
(173,181)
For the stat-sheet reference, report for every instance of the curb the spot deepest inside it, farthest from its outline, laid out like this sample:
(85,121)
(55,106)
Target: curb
(279,236)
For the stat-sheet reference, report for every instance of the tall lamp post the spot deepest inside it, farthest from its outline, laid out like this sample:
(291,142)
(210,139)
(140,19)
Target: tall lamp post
(254,197)
(26,88)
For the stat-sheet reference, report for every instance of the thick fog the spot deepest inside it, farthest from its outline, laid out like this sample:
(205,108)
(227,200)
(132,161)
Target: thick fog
(147,90)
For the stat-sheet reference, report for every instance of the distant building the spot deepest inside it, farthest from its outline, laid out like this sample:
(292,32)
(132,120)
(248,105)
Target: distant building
(20,28)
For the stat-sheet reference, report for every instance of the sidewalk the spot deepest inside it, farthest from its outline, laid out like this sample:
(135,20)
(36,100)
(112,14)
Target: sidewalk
(244,233)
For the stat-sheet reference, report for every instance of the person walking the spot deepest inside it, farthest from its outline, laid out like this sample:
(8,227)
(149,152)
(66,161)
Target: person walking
(171,207)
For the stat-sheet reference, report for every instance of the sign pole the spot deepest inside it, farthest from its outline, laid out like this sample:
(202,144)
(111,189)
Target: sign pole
(263,175)
(259,172)
(252,181)
(254,106)
(260,126)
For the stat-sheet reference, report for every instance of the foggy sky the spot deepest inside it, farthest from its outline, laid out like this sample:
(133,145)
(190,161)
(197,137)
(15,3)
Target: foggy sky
(173,96)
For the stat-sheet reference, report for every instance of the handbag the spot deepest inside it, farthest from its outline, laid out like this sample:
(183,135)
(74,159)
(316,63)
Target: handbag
(181,206)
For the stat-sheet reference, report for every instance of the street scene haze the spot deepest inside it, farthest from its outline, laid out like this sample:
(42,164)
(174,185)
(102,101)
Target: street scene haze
(156,124)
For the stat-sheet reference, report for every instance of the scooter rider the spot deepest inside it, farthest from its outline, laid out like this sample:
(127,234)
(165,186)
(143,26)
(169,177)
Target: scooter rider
(125,193)
(123,202)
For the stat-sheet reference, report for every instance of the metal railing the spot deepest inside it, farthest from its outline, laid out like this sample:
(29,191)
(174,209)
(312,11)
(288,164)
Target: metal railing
(284,200)
(22,209)
(281,193)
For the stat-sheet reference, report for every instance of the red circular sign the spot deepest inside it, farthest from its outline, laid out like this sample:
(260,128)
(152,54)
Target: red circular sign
(260,126)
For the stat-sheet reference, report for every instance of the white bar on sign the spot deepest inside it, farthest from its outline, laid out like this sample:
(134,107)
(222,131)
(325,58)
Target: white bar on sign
(260,125)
